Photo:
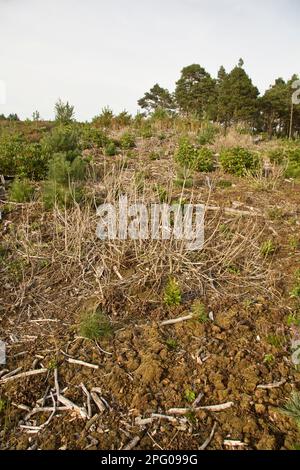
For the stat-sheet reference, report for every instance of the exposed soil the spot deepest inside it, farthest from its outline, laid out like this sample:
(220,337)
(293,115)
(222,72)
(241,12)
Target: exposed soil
(140,370)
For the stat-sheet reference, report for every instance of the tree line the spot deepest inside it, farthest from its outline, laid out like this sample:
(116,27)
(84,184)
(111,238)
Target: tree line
(229,99)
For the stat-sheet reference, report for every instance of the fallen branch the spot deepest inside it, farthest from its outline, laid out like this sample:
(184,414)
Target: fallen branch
(24,375)
(229,210)
(177,320)
(99,403)
(271,386)
(12,373)
(82,363)
(209,439)
(213,408)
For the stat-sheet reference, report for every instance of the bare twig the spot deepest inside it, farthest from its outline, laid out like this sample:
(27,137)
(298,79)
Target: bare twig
(271,386)
(24,375)
(209,439)
(82,363)
(177,320)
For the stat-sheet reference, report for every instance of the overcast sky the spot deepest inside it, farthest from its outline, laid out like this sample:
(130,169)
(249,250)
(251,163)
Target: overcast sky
(109,52)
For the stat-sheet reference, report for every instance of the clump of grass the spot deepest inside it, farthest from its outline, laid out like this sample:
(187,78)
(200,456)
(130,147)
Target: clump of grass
(162,193)
(172,294)
(199,312)
(276,341)
(269,359)
(127,141)
(184,179)
(292,408)
(224,184)
(21,190)
(172,344)
(3,405)
(293,319)
(110,149)
(268,248)
(95,325)
(275,213)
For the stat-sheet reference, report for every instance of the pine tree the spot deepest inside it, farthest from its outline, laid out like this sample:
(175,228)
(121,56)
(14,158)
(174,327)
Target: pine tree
(196,91)
(157,98)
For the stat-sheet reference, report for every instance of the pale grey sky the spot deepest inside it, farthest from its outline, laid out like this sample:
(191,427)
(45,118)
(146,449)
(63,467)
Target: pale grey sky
(109,52)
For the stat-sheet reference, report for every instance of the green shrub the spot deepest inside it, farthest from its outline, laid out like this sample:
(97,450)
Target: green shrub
(95,325)
(238,161)
(172,294)
(186,153)
(204,160)
(208,134)
(63,139)
(11,147)
(78,169)
(32,162)
(110,149)
(127,141)
(293,169)
(277,156)
(21,191)
(59,169)
(199,311)
(55,194)
(91,137)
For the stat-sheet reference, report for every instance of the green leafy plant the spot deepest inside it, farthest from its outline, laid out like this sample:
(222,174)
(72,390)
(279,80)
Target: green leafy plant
(111,149)
(189,396)
(199,312)
(238,161)
(127,141)
(172,344)
(21,191)
(95,325)
(204,160)
(268,248)
(208,134)
(269,359)
(172,293)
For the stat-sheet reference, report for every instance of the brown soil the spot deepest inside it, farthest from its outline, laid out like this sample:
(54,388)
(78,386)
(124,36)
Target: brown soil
(139,373)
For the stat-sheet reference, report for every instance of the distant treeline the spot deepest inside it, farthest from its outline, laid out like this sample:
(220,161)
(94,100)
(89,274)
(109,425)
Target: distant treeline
(229,99)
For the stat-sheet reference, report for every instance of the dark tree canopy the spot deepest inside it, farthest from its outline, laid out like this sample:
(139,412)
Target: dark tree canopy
(156,98)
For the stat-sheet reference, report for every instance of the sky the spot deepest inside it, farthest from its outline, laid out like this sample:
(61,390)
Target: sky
(95,53)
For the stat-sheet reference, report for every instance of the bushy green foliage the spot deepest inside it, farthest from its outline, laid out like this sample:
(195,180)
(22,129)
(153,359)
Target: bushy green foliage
(293,168)
(208,134)
(64,112)
(95,325)
(199,311)
(186,153)
(21,190)
(91,137)
(11,147)
(58,194)
(64,139)
(59,169)
(105,119)
(32,162)
(198,159)
(238,161)
(111,149)
(127,141)
(172,293)
(204,160)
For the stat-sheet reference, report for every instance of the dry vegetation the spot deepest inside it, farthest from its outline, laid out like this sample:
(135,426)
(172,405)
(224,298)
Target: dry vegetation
(90,318)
